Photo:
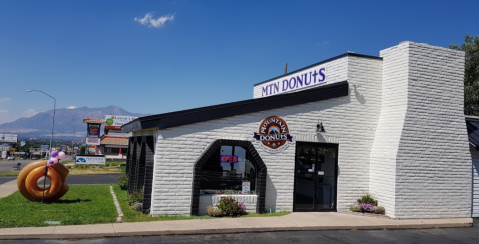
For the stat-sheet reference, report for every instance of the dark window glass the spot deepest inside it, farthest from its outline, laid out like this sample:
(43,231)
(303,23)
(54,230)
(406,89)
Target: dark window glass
(228,177)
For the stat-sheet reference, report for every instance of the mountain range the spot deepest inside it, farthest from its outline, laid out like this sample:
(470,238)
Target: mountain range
(68,122)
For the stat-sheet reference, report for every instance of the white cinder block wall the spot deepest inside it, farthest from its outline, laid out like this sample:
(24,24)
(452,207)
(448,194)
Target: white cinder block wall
(349,121)
(433,168)
(385,147)
(401,136)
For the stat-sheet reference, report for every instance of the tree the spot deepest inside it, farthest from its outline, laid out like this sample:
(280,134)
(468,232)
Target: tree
(471,76)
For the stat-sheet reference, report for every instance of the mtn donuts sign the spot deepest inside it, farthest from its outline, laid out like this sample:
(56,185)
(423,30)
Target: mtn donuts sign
(273,135)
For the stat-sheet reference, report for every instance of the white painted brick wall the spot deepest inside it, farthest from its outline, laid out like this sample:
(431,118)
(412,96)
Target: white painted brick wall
(433,168)
(382,182)
(349,121)
(401,136)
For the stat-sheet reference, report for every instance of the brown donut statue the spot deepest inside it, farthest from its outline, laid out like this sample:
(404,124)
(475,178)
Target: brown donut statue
(27,181)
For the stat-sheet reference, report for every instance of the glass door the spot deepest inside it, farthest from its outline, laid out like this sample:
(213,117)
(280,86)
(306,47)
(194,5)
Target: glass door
(315,177)
(304,177)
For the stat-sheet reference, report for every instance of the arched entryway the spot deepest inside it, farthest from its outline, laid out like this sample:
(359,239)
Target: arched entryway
(258,170)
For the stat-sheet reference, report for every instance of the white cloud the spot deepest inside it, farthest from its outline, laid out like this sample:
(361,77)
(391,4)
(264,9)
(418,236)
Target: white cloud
(3,111)
(71,107)
(29,113)
(155,23)
(5,99)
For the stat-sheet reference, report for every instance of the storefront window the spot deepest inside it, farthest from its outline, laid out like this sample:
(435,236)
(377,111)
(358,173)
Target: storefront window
(229,171)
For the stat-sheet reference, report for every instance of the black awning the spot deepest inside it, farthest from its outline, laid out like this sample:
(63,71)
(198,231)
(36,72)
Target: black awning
(196,115)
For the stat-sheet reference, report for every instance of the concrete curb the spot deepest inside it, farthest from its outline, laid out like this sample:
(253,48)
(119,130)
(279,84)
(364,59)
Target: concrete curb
(98,231)
(117,205)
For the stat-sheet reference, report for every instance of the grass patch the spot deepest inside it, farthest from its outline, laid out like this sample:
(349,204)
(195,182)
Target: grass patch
(10,173)
(131,215)
(96,170)
(83,204)
(276,214)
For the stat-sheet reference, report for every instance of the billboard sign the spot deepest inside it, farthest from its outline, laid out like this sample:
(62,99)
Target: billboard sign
(8,138)
(116,121)
(92,141)
(92,149)
(4,148)
(93,130)
(90,160)
(44,147)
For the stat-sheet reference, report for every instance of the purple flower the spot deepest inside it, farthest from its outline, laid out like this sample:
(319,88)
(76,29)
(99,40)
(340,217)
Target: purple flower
(366,207)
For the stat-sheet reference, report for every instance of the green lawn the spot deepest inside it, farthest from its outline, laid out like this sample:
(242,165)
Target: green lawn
(131,215)
(83,204)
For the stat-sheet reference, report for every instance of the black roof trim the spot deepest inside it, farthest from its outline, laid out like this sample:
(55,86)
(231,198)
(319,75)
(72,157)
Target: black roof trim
(321,62)
(196,115)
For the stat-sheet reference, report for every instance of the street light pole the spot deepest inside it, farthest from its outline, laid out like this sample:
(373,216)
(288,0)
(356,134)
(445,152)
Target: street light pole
(51,138)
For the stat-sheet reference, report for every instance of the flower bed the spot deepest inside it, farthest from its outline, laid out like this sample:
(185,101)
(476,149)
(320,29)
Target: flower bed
(367,204)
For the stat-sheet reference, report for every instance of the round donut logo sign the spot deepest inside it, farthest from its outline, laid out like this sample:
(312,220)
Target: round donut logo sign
(273,135)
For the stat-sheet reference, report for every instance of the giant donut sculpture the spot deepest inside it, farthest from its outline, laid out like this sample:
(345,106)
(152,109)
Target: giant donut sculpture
(28,178)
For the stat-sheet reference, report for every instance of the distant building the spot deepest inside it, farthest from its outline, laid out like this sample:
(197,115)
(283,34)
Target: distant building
(8,144)
(114,146)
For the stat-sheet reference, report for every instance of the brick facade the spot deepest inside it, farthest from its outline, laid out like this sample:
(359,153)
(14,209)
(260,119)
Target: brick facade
(401,136)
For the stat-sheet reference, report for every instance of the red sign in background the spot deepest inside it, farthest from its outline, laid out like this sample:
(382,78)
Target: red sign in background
(93,130)
(228,159)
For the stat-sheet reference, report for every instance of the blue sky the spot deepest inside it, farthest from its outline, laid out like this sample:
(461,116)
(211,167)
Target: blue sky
(188,54)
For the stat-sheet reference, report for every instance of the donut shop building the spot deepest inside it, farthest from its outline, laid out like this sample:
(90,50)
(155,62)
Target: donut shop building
(316,139)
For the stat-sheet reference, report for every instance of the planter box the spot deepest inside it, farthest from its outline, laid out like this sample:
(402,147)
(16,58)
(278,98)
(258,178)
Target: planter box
(250,201)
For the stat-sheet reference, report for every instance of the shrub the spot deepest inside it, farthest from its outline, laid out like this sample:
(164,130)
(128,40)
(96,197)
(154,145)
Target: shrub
(368,199)
(379,210)
(354,208)
(135,197)
(123,182)
(230,207)
(137,206)
(214,211)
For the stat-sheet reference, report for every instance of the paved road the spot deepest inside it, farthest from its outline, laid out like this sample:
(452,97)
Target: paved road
(7,165)
(436,236)
(81,179)
(7,179)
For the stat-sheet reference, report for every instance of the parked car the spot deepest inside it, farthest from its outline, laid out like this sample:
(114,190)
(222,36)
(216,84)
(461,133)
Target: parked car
(10,158)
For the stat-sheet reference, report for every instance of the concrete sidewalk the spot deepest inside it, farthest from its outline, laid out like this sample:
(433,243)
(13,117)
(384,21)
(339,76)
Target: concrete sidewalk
(291,222)
(8,188)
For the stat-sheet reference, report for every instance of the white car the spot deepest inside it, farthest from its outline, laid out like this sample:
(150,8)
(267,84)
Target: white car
(10,158)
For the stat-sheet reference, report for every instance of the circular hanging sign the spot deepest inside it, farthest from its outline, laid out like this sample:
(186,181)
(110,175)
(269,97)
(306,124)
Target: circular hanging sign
(273,134)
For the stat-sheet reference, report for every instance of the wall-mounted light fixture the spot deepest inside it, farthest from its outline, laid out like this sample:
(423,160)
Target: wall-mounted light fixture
(320,127)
